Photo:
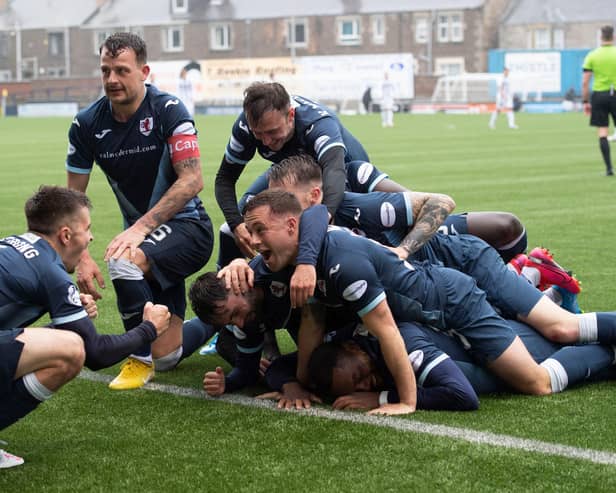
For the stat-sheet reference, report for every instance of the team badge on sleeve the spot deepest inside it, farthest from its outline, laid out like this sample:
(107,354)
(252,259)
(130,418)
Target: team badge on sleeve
(73,295)
(388,214)
(355,290)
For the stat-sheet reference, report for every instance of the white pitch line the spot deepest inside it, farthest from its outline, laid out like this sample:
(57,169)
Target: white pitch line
(414,426)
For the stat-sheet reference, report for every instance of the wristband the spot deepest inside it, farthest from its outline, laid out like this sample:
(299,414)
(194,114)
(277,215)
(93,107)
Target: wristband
(383,397)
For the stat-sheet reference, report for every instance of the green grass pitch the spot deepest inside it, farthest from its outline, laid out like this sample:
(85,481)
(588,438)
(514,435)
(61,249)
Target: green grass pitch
(549,173)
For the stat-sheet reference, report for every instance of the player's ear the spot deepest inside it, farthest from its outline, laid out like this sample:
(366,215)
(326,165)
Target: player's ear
(64,235)
(145,72)
(291,113)
(292,224)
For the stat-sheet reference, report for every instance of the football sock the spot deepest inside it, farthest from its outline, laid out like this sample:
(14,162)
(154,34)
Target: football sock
(533,275)
(132,293)
(597,327)
(195,334)
(169,361)
(510,119)
(493,117)
(574,364)
(228,250)
(510,250)
(21,401)
(604,145)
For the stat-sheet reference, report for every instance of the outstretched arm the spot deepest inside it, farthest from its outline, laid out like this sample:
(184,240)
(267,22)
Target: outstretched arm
(381,324)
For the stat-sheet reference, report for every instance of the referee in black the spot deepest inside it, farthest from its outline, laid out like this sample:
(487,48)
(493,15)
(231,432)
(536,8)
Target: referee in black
(601,65)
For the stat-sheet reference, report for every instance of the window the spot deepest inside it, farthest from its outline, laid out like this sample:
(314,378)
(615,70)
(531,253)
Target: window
(422,32)
(29,68)
(179,6)
(541,39)
(4,45)
(5,75)
(449,66)
(449,27)
(220,37)
(558,36)
(56,72)
(297,32)
(349,31)
(99,39)
(55,44)
(173,38)
(378,29)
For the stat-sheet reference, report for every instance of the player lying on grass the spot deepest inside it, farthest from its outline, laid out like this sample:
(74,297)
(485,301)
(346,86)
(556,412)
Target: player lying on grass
(353,372)
(35,280)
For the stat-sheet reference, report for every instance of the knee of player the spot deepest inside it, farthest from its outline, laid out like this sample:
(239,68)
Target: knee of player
(561,333)
(73,355)
(511,226)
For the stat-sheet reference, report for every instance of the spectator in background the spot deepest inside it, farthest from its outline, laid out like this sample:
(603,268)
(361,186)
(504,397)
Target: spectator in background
(185,92)
(504,102)
(387,102)
(600,64)
(366,99)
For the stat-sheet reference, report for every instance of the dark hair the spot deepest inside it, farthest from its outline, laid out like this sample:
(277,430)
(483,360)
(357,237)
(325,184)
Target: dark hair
(51,207)
(298,169)
(261,97)
(118,42)
(607,33)
(279,201)
(206,294)
(321,366)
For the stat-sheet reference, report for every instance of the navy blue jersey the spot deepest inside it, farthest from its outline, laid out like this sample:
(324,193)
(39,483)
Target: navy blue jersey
(362,176)
(360,273)
(134,155)
(33,281)
(381,216)
(317,129)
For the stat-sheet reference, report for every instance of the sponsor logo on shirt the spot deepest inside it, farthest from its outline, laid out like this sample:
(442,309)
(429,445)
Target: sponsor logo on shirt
(76,122)
(73,295)
(268,154)
(388,214)
(71,149)
(172,102)
(334,269)
(364,172)
(355,291)
(146,125)
(310,129)
(416,358)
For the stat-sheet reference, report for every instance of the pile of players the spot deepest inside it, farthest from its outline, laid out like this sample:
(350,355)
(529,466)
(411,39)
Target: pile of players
(413,308)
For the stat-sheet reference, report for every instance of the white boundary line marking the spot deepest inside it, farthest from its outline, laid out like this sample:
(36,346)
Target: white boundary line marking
(468,435)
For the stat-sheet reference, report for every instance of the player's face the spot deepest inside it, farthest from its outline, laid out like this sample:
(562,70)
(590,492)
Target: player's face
(238,309)
(272,236)
(275,128)
(356,374)
(79,236)
(123,77)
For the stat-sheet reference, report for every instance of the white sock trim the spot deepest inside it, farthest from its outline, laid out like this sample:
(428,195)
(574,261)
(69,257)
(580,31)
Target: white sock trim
(558,376)
(587,323)
(514,242)
(36,388)
(124,269)
(169,361)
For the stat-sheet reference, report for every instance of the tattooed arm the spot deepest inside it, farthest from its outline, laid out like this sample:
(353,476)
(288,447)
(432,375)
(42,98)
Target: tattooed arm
(429,212)
(188,184)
